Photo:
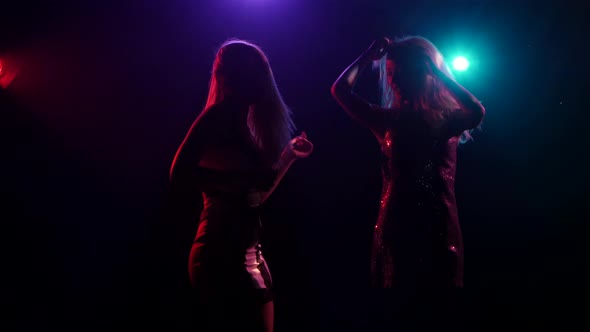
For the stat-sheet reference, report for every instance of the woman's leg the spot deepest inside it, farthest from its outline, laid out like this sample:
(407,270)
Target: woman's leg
(268,316)
(252,311)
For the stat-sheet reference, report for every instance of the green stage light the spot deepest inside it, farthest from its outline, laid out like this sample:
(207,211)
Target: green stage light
(460,63)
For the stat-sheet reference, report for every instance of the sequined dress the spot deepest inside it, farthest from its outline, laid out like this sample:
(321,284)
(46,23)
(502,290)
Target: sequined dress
(417,238)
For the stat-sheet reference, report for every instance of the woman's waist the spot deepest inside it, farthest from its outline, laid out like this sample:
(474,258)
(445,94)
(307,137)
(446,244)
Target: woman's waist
(416,186)
(229,225)
(249,201)
(415,204)
(247,253)
(236,199)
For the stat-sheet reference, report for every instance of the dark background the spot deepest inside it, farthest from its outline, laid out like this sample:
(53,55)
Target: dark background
(94,239)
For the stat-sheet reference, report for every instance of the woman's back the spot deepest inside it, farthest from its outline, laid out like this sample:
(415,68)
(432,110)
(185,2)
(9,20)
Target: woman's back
(228,143)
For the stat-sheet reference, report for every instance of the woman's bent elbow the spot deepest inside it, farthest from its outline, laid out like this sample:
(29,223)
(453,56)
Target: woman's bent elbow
(336,90)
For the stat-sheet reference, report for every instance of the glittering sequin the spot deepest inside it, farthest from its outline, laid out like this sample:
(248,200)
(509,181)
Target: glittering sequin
(417,219)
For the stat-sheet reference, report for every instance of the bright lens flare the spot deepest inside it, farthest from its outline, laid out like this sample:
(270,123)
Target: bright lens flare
(460,63)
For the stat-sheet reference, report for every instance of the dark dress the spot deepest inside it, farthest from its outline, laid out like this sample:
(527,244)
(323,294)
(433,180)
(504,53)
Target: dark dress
(417,250)
(226,259)
(229,275)
(417,239)
(227,271)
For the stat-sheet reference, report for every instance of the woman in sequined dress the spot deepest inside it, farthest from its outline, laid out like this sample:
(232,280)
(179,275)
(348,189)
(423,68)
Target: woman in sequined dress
(235,153)
(424,114)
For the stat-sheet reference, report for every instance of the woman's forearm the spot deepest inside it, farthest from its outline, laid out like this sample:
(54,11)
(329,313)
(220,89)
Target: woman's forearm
(347,79)
(464,98)
(281,167)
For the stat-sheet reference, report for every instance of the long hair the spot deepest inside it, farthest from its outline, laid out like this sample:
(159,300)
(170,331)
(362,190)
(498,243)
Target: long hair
(419,89)
(242,68)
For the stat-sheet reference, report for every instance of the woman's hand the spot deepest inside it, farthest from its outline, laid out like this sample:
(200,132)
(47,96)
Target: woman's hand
(379,48)
(301,146)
